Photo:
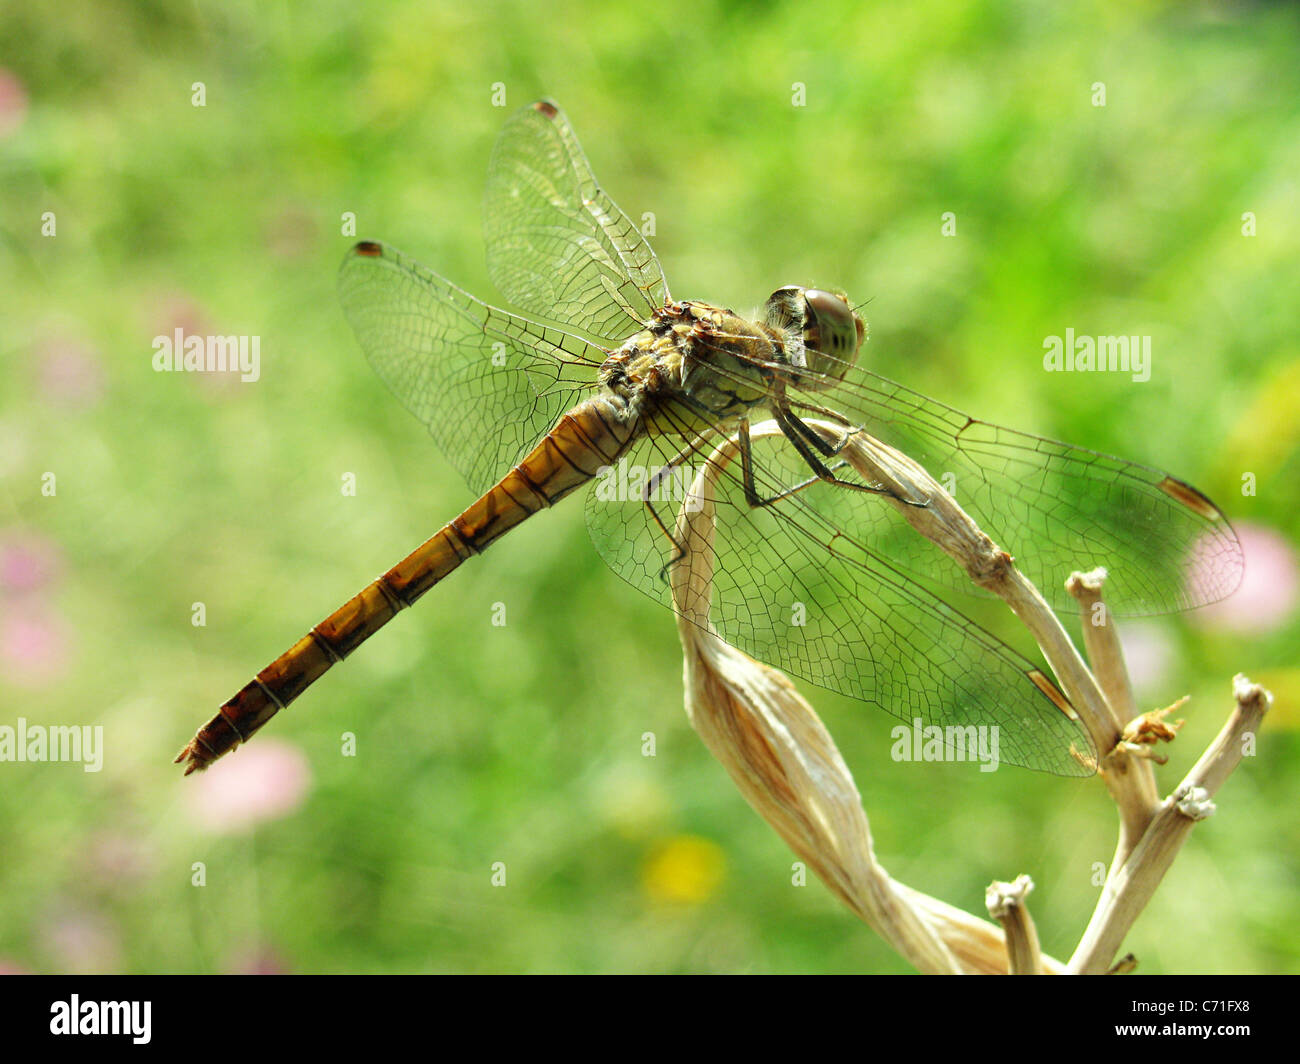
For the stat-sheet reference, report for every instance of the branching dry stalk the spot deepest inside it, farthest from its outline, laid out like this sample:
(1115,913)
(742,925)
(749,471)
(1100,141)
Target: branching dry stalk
(1006,904)
(788,768)
(1130,886)
(1136,801)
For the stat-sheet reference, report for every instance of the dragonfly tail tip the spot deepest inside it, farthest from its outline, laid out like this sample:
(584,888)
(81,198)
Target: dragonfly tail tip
(193,756)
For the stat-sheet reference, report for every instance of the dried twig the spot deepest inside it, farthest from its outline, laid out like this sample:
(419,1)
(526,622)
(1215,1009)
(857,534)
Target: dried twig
(1137,801)
(788,768)
(1006,904)
(1130,885)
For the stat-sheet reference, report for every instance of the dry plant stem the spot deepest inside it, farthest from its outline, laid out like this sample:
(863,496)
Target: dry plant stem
(1129,887)
(1139,801)
(786,764)
(776,750)
(979,945)
(788,768)
(1006,904)
(950,528)
(1101,641)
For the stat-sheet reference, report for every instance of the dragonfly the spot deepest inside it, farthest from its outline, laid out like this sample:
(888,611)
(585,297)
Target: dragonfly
(605,380)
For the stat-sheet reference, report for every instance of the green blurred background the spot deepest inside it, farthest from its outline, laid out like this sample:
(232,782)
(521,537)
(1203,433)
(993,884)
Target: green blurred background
(521,744)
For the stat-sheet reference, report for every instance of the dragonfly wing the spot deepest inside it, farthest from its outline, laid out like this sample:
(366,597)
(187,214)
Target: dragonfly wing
(818,602)
(487,383)
(1055,507)
(557,245)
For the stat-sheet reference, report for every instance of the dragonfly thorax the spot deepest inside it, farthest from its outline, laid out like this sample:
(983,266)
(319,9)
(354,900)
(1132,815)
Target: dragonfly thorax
(700,358)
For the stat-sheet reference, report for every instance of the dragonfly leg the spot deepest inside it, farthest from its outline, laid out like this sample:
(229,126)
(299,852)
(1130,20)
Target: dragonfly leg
(797,433)
(651,486)
(830,450)
(823,411)
(804,438)
(747,473)
(787,419)
(747,476)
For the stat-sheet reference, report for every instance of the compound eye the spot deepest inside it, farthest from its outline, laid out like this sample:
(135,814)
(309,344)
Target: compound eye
(833,328)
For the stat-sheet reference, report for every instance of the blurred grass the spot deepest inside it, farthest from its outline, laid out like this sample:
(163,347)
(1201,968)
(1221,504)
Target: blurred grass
(521,744)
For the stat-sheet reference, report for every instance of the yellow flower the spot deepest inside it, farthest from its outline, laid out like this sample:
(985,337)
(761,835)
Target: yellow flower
(684,869)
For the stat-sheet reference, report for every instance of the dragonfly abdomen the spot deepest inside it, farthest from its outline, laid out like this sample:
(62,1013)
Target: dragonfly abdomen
(589,437)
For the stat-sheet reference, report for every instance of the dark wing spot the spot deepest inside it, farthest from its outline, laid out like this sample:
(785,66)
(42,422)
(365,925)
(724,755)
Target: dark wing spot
(368,248)
(547,108)
(1053,692)
(1190,497)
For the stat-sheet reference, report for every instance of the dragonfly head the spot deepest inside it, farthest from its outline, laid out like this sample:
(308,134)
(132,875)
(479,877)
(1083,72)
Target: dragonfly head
(823,333)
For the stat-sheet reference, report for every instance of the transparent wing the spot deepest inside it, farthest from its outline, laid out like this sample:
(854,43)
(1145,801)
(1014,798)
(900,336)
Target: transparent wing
(1055,507)
(819,602)
(557,245)
(487,383)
